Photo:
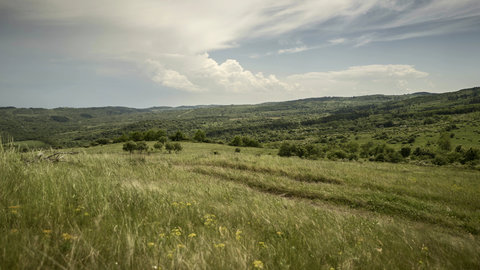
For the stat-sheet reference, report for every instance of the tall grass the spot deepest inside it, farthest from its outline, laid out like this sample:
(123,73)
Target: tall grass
(196,210)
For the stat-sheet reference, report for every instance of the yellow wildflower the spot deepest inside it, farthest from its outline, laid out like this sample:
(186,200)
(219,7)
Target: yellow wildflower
(261,244)
(86,214)
(192,235)
(219,245)
(67,236)
(150,244)
(209,220)
(279,233)
(238,235)
(47,231)
(222,230)
(181,246)
(188,204)
(258,264)
(176,232)
(161,235)
(170,255)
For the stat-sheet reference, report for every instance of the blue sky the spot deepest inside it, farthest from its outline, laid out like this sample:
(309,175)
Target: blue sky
(143,53)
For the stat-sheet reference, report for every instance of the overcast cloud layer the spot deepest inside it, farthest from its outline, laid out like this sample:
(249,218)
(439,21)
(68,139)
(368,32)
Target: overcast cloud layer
(150,53)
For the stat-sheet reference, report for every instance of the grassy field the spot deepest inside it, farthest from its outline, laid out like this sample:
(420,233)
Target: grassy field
(103,208)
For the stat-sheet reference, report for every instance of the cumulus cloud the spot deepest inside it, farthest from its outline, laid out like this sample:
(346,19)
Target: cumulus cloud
(202,73)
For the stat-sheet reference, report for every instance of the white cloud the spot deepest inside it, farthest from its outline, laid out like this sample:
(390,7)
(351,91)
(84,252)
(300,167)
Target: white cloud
(337,41)
(293,50)
(362,80)
(202,73)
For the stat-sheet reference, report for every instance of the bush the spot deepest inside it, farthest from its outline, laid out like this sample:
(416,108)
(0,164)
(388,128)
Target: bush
(177,147)
(444,142)
(286,150)
(169,147)
(471,154)
(394,157)
(245,142)
(440,160)
(405,151)
(178,136)
(158,145)
(200,136)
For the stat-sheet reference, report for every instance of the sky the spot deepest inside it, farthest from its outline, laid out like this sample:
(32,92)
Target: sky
(145,53)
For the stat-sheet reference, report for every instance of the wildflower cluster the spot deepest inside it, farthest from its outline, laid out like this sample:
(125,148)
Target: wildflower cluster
(176,231)
(209,220)
(14,209)
(238,235)
(181,204)
(219,245)
(68,237)
(258,264)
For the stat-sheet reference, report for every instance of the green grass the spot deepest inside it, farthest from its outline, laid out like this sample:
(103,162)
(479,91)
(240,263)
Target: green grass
(103,208)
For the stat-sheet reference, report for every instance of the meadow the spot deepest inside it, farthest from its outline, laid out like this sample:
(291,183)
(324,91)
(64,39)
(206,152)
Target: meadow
(209,207)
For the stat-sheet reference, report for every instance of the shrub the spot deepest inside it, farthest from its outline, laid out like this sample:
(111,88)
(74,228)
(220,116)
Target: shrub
(169,147)
(405,151)
(178,136)
(245,142)
(286,150)
(394,157)
(237,141)
(162,139)
(200,136)
(177,147)
(158,145)
(444,142)
(471,155)
(440,160)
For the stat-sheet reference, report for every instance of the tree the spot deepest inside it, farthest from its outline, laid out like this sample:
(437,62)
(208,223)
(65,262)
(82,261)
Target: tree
(169,147)
(162,139)
(200,136)
(177,147)
(237,141)
(158,145)
(150,135)
(444,142)
(123,138)
(178,136)
(129,146)
(142,146)
(286,150)
(405,151)
(136,136)
(161,133)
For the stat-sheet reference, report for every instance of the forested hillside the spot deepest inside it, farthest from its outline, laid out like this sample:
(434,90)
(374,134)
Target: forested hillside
(374,127)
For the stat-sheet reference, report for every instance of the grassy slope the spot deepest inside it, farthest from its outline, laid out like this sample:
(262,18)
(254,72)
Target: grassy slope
(108,209)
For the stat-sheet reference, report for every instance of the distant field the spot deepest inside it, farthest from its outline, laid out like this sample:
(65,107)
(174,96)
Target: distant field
(208,207)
